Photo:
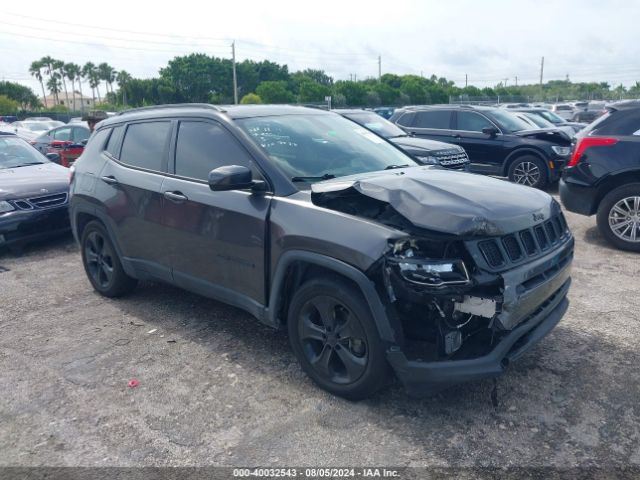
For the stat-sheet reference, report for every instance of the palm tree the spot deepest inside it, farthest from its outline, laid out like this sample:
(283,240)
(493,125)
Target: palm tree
(72,71)
(106,72)
(36,71)
(88,72)
(58,66)
(123,78)
(53,84)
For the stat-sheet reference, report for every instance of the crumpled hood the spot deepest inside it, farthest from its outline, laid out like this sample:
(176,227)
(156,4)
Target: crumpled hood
(446,201)
(423,144)
(26,182)
(554,135)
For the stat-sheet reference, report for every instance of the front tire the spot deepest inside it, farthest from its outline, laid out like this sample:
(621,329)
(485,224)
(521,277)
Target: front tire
(530,171)
(102,264)
(619,217)
(334,337)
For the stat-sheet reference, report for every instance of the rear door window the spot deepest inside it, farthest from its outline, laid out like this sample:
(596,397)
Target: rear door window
(438,119)
(145,145)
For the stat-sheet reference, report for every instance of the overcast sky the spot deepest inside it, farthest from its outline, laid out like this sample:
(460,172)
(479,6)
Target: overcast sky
(489,40)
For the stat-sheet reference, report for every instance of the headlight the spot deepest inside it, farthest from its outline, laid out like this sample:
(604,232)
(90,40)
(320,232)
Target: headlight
(429,160)
(562,151)
(5,207)
(433,273)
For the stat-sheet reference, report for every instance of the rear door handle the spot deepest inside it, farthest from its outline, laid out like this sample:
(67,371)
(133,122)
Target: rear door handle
(177,197)
(109,179)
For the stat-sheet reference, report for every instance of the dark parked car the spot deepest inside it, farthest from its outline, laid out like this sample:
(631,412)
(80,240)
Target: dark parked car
(553,118)
(586,116)
(33,194)
(603,175)
(497,142)
(426,152)
(295,216)
(8,118)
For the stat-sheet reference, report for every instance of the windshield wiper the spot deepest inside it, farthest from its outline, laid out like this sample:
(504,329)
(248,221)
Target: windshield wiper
(391,167)
(326,176)
(28,164)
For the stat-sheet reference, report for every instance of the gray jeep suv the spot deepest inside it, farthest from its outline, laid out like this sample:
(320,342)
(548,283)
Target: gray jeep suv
(373,264)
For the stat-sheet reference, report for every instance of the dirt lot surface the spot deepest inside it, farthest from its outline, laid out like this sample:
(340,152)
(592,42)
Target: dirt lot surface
(217,388)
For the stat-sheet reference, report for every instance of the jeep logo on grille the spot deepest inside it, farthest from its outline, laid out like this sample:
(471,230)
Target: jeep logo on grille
(538,216)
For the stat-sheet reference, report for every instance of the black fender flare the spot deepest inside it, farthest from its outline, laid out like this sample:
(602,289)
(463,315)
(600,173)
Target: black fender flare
(93,211)
(385,327)
(524,151)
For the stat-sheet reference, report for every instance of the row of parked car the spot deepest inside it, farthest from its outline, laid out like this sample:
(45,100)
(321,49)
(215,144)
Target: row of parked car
(371,242)
(63,143)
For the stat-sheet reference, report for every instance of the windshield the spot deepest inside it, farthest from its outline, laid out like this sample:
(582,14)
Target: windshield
(552,117)
(377,124)
(310,148)
(36,126)
(15,152)
(538,120)
(508,121)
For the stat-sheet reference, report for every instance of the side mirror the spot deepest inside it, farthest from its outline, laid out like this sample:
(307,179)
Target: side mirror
(84,142)
(54,157)
(233,177)
(491,131)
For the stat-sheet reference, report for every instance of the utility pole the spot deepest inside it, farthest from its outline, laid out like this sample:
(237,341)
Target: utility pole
(466,80)
(541,70)
(516,80)
(379,67)
(505,82)
(235,79)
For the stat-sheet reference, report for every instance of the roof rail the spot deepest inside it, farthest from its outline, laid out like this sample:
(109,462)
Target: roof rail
(173,105)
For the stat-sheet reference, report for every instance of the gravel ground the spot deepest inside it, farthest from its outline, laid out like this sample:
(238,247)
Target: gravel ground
(217,388)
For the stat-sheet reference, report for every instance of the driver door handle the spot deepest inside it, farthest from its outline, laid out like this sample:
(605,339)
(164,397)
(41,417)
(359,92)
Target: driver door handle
(109,179)
(176,197)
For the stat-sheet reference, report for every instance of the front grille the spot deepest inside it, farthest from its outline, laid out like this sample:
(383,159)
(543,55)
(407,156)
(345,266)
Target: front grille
(452,158)
(529,243)
(542,238)
(512,247)
(45,201)
(491,253)
(525,244)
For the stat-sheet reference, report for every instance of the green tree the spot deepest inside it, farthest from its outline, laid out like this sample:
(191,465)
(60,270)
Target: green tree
(312,91)
(59,67)
(89,73)
(414,88)
(275,92)
(7,105)
(35,70)
(107,74)
(355,93)
(196,77)
(123,77)
(54,86)
(24,96)
(250,98)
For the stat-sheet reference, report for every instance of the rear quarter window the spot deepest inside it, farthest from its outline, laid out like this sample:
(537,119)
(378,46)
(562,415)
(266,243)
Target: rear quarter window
(145,145)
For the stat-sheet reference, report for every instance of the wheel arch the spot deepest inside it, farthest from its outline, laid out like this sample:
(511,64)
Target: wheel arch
(81,215)
(611,182)
(520,152)
(296,266)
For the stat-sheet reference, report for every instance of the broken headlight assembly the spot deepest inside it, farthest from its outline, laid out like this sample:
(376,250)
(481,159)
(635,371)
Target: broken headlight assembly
(425,268)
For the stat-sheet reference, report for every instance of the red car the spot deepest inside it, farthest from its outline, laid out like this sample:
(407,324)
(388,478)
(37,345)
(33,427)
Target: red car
(67,141)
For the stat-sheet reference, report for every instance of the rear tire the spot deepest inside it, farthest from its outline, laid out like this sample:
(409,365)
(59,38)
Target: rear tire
(102,264)
(530,171)
(335,339)
(619,217)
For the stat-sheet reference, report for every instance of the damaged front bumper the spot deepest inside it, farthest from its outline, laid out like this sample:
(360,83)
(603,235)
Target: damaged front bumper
(531,301)
(425,378)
